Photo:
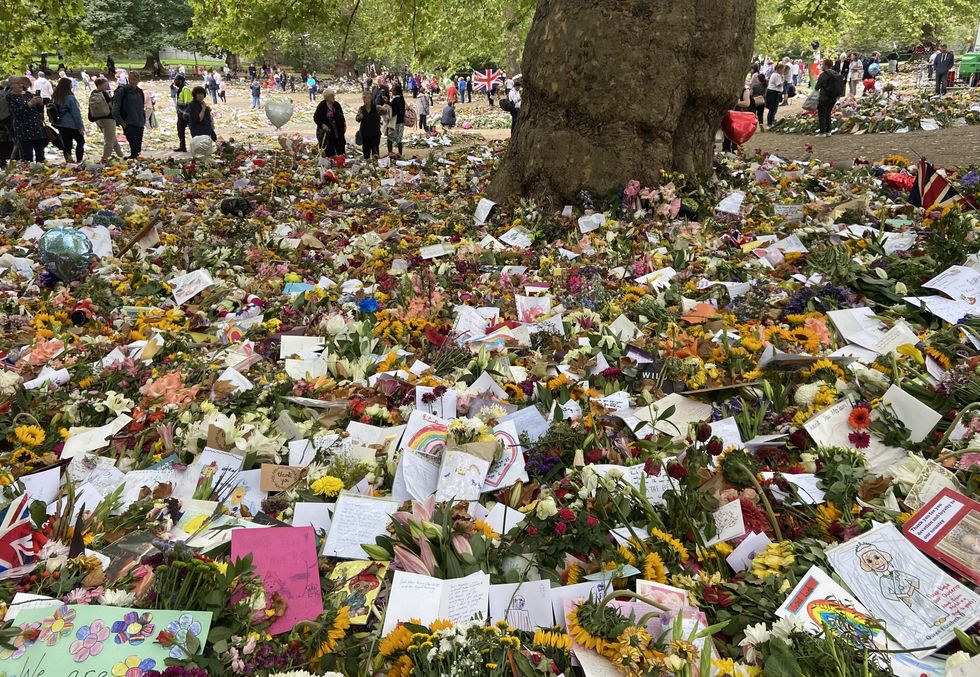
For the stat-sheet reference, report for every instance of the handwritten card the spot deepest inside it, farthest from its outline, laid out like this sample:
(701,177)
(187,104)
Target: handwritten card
(285,559)
(185,287)
(461,476)
(426,599)
(357,520)
(280,477)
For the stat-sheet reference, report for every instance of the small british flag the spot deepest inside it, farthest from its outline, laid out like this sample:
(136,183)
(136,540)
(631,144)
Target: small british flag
(483,81)
(16,539)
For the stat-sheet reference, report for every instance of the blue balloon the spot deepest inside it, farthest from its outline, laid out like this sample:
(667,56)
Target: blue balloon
(873,69)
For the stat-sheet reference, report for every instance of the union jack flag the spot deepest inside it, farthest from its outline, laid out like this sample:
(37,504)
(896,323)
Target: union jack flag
(16,539)
(931,189)
(483,81)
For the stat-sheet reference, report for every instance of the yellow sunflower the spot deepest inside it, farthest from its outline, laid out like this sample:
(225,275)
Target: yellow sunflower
(553,638)
(653,568)
(30,435)
(337,631)
(672,542)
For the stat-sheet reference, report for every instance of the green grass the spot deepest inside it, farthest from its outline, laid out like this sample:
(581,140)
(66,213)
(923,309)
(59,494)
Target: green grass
(130,65)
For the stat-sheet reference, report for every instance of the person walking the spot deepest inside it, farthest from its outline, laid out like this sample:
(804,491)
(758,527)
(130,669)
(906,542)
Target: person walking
(422,110)
(943,65)
(128,109)
(110,66)
(469,89)
(774,93)
(758,84)
(461,89)
(182,100)
(100,112)
(855,73)
(69,120)
(27,114)
(6,126)
(43,88)
(199,117)
(222,94)
(892,57)
(212,86)
(311,86)
(330,125)
(397,104)
(828,88)
(451,92)
(256,88)
(370,128)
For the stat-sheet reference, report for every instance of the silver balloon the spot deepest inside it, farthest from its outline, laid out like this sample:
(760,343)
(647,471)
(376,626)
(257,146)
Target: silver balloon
(278,112)
(201,147)
(65,252)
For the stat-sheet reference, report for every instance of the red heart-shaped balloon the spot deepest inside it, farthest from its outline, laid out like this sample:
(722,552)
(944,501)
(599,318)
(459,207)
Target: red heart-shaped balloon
(739,126)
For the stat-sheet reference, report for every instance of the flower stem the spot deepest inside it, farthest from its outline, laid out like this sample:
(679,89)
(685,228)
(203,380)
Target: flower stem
(765,501)
(632,595)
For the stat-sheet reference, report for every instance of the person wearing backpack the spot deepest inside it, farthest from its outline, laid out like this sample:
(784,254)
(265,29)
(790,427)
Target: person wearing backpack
(69,120)
(128,109)
(100,112)
(829,87)
(182,99)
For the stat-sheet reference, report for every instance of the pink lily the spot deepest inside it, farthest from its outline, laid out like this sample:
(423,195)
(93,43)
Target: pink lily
(406,560)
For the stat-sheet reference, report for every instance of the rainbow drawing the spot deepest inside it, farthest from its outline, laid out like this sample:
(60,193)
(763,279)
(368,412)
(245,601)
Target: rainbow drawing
(507,459)
(429,439)
(842,620)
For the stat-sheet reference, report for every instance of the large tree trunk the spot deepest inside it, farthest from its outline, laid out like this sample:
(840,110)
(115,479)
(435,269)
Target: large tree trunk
(621,89)
(152,56)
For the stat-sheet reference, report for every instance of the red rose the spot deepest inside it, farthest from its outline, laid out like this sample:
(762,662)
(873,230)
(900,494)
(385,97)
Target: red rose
(715,446)
(677,471)
(591,521)
(561,528)
(566,515)
(532,531)
(704,432)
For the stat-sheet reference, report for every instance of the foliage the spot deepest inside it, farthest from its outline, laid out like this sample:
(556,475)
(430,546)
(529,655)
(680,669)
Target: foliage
(29,28)
(144,25)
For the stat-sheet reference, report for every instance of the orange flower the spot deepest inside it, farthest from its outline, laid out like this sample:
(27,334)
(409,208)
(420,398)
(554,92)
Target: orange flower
(860,418)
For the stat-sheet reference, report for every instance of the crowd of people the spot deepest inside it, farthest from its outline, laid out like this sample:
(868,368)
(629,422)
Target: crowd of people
(36,112)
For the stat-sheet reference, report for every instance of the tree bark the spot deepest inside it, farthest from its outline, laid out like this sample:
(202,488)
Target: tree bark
(151,56)
(621,89)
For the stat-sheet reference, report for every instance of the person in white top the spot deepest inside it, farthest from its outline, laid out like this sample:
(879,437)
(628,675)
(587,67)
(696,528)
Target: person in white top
(774,92)
(794,71)
(514,95)
(43,87)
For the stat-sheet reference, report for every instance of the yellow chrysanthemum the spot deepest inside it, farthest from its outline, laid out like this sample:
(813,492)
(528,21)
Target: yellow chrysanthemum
(328,485)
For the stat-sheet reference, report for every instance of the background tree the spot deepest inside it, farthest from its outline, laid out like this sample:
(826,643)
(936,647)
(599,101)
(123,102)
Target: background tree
(29,27)
(623,89)
(142,26)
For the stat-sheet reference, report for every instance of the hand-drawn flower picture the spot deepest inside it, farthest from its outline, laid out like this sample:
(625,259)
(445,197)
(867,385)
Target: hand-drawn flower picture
(58,624)
(134,628)
(181,628)
(89,641)
(133,667)
(21,643)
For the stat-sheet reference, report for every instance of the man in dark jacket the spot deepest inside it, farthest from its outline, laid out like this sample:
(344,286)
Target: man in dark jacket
(128,111)
(27,113)
(943,65)
(827,87)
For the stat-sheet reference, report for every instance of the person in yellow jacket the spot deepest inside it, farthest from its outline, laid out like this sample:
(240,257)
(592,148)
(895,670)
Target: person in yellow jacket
(183,100)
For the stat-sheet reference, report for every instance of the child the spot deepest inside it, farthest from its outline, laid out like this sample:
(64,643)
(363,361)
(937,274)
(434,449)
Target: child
(221,91)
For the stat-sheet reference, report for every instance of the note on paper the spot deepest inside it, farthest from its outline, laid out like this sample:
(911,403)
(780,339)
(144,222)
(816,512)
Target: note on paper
(285,558)
(426,598)
(357,520)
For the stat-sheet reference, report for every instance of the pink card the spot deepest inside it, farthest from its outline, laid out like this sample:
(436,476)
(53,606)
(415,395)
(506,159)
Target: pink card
(285,558)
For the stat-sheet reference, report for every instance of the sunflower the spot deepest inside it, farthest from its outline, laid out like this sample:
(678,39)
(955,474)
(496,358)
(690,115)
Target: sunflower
(806,338)
(596,627)
(30,435)
(396,640)
(440,624)
(553,638)
(939,357)
(626,555)
(402,667)
(672,542)
(653,568)
(574,574)
(23,456)
(685,649)
(860,418)
(341,622)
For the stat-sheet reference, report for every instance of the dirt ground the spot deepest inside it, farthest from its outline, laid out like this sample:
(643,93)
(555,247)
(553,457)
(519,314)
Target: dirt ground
(948,147)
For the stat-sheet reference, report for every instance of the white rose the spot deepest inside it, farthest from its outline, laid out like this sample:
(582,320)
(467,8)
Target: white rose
(335,325)
(546,508)
(8,382)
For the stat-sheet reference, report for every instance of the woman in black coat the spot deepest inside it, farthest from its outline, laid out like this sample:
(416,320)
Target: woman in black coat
(199,120)
(330,125)
(370,130)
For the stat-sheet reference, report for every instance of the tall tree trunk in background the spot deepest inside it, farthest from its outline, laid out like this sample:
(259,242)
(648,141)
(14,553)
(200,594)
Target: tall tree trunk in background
(151,56)
(621,89)
(513,38)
